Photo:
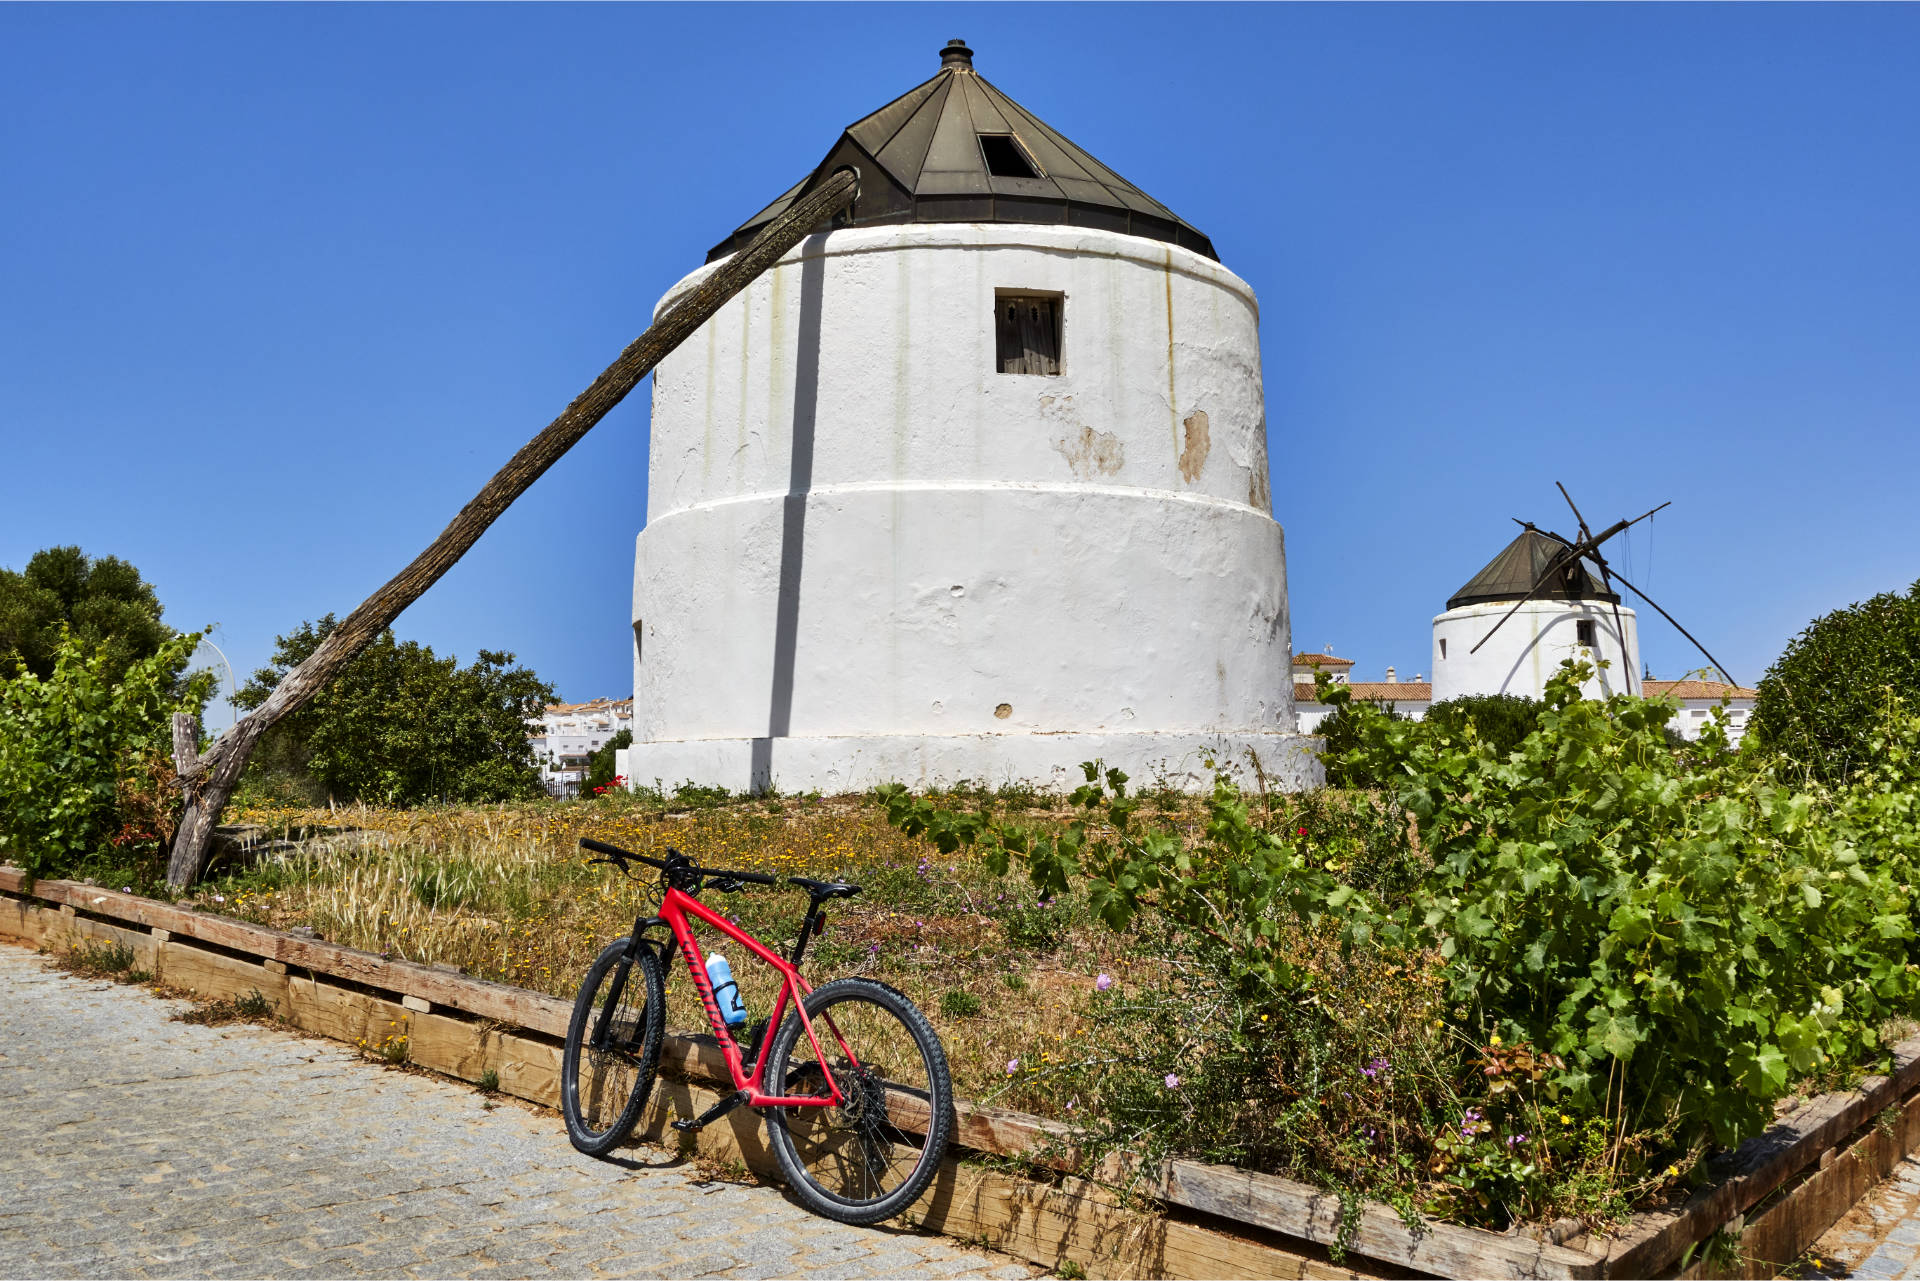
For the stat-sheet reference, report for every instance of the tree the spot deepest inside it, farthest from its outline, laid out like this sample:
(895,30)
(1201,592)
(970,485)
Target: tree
(1822,701)
(600,764)
(209,777)
(401,725)
(1501,721)
(103,602)
(84,757)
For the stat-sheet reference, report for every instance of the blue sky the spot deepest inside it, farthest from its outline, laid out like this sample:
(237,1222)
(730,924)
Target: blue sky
(281,286)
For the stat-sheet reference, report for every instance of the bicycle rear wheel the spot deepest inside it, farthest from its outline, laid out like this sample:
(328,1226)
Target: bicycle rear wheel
(872,1155)
(613,1048)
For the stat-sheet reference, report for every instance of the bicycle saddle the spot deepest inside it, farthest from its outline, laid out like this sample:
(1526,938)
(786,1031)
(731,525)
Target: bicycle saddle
(824,889)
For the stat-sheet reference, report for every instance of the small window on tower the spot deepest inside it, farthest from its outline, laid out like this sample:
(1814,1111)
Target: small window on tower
(1027,332)
(1006,158)
(1443,647)
(1588,633)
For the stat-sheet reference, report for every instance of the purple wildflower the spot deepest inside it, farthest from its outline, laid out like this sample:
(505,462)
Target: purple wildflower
(1102,983)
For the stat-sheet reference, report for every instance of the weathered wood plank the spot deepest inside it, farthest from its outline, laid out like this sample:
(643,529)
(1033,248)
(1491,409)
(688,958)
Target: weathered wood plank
(342,1015)
(1296,1209)
(23,920)
(211,778)
(478,997)
(1788,1227)
(212,976)
(64,933)
(1657,1240)
(1654,1242)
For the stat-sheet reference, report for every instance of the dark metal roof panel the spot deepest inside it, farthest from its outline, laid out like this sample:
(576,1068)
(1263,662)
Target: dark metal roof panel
(1509,576)
(987,118)
(928,142)
(874,132)
(905,153)
(1083,189)
(1100,173)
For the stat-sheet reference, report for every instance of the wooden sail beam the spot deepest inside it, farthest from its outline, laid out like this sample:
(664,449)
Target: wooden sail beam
(209,778)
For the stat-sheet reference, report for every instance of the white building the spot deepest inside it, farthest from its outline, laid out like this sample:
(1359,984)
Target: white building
(566,734)
(1698,698)
(1405,698)
(1572,615)
(971,486)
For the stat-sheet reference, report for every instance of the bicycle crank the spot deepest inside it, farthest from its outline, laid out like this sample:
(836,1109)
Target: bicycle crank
(713,1113)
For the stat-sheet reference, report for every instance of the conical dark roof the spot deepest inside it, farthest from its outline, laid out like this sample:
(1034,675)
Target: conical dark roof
(956,149)
(1517,568)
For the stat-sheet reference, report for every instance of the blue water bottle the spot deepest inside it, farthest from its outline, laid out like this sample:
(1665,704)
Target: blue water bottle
(726,992)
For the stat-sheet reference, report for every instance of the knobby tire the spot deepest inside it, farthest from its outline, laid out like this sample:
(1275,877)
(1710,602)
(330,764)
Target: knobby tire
(603,1088)
(871,1157)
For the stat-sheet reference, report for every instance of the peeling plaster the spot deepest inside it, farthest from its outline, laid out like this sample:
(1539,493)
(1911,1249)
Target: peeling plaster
(1131,604)
(1193,458)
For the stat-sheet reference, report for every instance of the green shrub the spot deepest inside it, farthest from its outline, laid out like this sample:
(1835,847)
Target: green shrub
(957,1004)
(600,775)
(400,725)
(85,756)
(100,600)
(1340,729)
(1690,935)
(1633,954)
(1825,698)
(1501,721)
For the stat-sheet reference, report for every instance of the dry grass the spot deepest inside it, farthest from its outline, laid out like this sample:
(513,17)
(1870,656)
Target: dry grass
(506,893)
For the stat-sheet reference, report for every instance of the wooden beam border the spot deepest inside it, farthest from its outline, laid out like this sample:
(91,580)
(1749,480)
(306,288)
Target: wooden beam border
(290,969)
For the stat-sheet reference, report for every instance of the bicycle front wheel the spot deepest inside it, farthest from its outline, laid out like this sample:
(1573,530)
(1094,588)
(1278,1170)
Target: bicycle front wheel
(872,1155)
(613,1048)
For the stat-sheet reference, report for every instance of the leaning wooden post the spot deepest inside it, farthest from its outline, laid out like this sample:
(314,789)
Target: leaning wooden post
(209,778)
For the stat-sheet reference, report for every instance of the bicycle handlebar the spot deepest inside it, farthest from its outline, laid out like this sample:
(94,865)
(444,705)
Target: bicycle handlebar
(619,855)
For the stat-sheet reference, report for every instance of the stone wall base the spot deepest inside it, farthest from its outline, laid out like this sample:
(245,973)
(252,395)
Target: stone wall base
(1051,762)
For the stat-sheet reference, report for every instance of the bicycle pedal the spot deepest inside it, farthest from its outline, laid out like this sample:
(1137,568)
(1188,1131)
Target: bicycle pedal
(713,1113)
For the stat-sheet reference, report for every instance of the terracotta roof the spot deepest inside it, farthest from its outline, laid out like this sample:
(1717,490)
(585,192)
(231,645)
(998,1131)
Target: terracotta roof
(1320,660)
(1695,689)
(1374,691)
(591,705)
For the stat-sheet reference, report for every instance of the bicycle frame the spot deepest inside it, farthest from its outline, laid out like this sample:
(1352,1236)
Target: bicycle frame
(674,910)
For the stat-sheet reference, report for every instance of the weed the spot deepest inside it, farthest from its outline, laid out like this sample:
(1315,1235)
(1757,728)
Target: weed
(1014,981)
(729,1170)
(251,1008)
(391,1049)
(489,1082)
(1070,1271)
(957,1004)
(102,959)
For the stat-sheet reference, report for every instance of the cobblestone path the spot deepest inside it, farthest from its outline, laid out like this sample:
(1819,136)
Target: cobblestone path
(1879,1237)
(135,1146)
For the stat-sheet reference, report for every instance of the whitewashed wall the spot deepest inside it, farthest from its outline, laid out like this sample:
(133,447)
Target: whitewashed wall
(1529,648)
(871,556)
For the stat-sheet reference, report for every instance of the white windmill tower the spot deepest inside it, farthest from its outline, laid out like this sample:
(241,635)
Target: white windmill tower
(1542,600)
(972,485)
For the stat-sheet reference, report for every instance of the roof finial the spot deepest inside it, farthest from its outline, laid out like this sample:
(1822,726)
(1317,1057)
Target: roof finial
(956,56)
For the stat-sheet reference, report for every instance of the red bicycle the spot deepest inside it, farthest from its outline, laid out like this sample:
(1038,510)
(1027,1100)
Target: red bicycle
(852,1080)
